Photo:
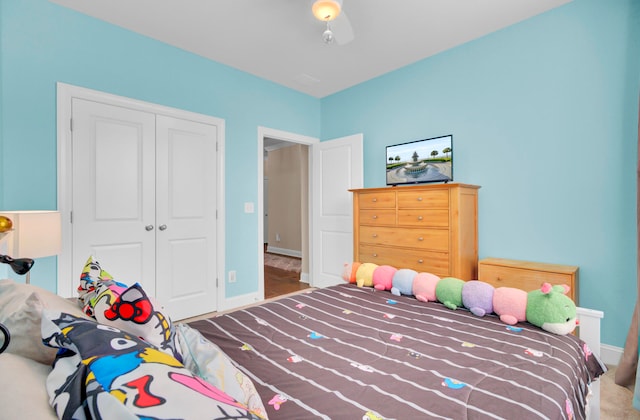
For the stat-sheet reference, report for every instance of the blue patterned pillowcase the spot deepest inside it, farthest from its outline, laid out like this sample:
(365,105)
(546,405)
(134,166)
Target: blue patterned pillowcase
(125,307)
(102,372)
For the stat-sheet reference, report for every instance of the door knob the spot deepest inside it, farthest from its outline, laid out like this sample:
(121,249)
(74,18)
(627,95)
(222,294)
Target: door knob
(162,227)
(148,227)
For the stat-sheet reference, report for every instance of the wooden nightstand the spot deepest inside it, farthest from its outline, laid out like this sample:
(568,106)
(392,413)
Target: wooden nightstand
(527,275)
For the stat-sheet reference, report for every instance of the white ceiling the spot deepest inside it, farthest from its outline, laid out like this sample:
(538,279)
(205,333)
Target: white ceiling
(280,40)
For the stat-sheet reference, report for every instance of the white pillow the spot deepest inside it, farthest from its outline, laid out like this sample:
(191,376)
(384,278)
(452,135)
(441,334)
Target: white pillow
(24,395)
(21,308)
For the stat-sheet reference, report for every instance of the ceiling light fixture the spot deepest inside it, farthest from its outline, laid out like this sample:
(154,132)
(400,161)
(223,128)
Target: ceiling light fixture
(326,10)
(327,35)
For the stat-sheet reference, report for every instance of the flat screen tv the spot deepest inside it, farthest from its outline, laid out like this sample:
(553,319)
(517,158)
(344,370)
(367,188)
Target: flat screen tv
(420,161)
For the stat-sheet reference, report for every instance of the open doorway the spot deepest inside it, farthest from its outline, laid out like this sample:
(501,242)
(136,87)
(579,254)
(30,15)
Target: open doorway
(284,228)
(286,217)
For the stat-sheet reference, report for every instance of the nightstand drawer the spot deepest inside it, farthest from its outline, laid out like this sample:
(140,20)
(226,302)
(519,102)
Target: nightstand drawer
(527,275)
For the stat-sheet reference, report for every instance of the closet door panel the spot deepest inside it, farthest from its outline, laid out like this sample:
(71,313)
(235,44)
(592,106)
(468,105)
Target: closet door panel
(114,190)
(185,212)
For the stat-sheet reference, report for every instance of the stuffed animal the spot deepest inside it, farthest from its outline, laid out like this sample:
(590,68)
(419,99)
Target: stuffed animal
(383,277)
(349,271)
(551,309)
(510,304)
(424,287)
(477,296)
(364,274)
(548,307)
(449,292)
(403,282)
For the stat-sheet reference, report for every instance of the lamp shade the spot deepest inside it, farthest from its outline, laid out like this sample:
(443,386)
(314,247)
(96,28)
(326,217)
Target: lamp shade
(35,234)
(326,10)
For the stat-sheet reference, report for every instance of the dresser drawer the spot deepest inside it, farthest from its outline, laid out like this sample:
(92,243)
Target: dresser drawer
(432,239)
(422,261)
(422,199)
(424,217)
(527,275)
(377,200)
(378,217)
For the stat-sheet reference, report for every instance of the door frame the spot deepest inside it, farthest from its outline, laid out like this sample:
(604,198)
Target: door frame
(291,138)
(68,276)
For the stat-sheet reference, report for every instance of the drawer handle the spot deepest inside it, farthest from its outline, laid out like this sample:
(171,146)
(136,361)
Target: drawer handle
(375,235)
(419,217)
(375,217)
(375,255)
(421,238)
(420,261)
(375,200)
(419,198)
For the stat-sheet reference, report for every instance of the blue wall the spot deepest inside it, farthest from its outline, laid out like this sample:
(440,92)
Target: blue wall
(544,117)
(43,43)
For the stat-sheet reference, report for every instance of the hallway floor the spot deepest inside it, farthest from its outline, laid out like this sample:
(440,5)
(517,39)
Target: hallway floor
(279,282)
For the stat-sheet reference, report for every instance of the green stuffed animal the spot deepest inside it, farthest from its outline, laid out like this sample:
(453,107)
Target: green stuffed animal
(551,309)
(449,292)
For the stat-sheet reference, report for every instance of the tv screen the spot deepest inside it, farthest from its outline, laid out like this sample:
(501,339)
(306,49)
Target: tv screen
(420,161)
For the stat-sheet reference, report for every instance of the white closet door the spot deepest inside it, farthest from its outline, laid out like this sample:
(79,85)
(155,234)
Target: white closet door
(186,216)
(114,191)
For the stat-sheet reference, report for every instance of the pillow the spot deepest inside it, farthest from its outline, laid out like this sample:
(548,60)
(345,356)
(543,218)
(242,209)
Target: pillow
(21,308)
(27,398)
(102,372)
(209,362)
(127,308)
(93,275)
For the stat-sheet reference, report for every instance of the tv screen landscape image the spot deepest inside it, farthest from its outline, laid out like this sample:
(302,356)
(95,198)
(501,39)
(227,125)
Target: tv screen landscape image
(420,161)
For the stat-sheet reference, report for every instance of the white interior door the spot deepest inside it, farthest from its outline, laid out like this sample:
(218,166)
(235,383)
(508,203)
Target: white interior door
(337,167)
(114,190)
(186,216)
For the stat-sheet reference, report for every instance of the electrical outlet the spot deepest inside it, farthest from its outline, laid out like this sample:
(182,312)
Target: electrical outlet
(232,276)
(277,237)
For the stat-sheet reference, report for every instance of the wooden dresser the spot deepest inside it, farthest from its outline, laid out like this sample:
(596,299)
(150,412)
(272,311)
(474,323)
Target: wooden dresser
(431,228)
(527,275)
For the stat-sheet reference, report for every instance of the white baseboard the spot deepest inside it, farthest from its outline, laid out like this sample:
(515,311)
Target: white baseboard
(239,301)
(284,251)
(304,278)
(610,355)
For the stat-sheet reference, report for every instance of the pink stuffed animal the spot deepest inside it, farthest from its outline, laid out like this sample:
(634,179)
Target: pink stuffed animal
(424,287)
(383,277)
(510,304)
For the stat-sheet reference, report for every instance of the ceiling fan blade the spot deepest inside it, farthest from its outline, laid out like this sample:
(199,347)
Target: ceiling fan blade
(342,30)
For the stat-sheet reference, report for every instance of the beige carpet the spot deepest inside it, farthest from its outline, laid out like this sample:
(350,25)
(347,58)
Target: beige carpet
(615,400)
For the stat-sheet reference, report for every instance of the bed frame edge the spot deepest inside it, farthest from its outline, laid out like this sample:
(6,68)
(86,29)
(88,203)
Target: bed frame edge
(589,332)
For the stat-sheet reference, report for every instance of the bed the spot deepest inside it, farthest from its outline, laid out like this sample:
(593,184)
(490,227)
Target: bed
(349,352)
